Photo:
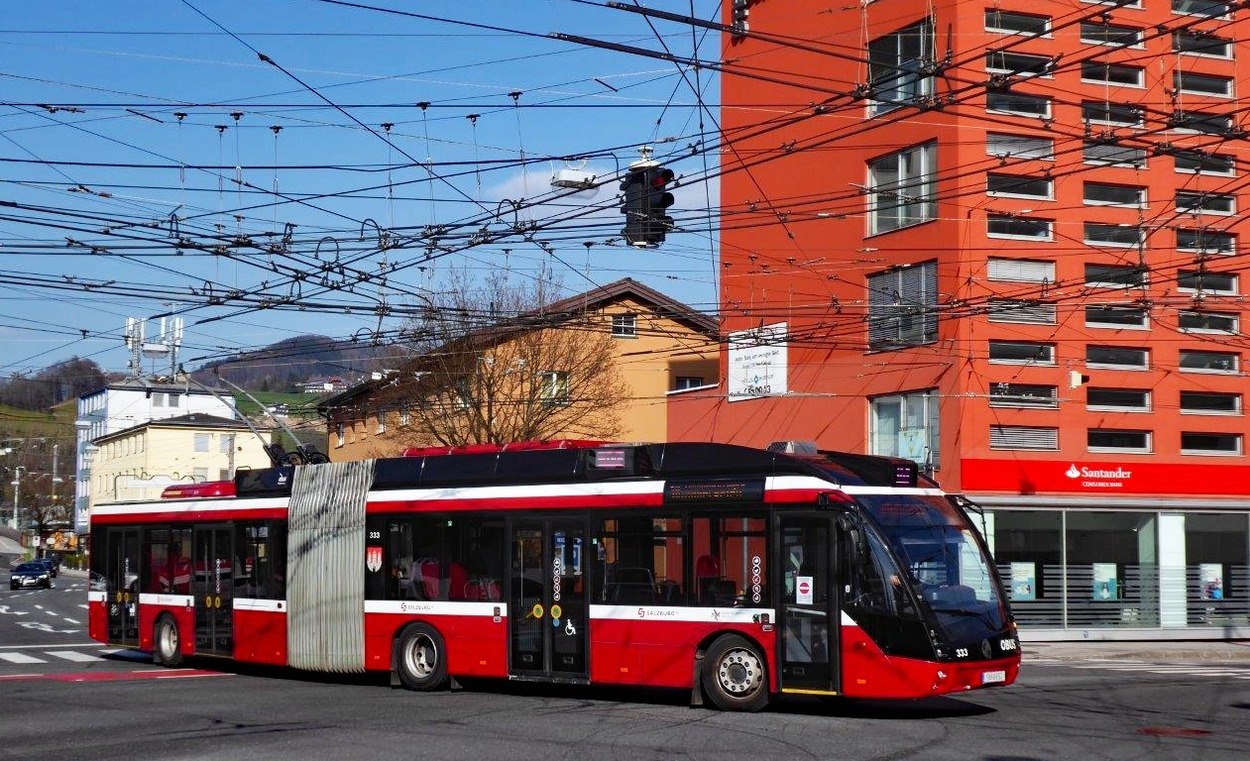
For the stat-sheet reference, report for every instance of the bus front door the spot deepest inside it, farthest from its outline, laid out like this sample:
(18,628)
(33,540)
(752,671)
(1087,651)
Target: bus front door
(809,622)
(212,585)
(547,602)
(122,577)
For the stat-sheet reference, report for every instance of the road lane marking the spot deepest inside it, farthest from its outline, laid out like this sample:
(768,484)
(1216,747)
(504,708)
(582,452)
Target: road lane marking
(71,620)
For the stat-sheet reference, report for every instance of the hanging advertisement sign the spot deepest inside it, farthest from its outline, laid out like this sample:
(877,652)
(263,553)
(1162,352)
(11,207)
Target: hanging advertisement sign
(1023,581)
(758,364)
(1105,582)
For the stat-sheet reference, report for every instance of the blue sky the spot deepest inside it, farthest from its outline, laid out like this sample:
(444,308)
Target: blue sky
(238,162)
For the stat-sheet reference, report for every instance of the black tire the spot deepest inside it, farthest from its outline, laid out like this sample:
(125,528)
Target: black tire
(735,675)
(421,658)
(167,645)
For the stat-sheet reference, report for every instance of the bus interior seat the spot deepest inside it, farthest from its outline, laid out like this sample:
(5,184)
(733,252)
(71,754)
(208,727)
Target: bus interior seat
(631,586)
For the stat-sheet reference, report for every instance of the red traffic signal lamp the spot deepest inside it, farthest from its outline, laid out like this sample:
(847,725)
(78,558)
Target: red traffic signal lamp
(658,199)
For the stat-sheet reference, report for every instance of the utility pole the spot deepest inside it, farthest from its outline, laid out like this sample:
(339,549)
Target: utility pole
(17,491)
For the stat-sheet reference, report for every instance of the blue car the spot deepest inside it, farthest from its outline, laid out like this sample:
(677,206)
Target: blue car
(26,575)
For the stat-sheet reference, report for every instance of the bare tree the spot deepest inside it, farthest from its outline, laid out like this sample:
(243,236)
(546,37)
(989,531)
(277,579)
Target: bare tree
(494,367)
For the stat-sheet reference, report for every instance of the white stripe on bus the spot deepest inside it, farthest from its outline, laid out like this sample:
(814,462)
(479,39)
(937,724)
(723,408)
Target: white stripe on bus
(184,601)
(436,607)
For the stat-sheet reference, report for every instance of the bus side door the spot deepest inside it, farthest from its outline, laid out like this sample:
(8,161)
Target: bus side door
(808,615)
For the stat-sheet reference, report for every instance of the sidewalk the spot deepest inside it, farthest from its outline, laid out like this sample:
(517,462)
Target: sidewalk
(1170,651)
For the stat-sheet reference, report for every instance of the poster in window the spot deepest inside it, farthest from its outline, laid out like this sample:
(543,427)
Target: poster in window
(1023,581)
(1211,581)
(1105,582)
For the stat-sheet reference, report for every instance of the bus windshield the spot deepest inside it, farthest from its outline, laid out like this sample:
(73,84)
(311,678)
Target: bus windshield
(938,549)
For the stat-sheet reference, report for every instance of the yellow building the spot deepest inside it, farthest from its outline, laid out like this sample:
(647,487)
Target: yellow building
(602,361)
(138,462)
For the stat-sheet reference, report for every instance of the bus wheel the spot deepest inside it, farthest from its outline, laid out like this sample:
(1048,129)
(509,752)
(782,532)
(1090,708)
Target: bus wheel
(421,658)
(734,675)
(168,646)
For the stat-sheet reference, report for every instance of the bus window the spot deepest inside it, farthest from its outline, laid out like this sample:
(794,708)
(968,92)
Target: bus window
(731,561)
(877,586)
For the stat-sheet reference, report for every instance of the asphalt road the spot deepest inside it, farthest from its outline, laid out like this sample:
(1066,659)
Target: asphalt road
(117,705)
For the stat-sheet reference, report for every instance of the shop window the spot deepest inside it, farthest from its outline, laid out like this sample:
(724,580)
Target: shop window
(1113,569)
(1217,580)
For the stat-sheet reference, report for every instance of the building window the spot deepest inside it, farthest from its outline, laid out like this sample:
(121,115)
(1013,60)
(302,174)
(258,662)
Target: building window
(901,188)
(1107,316)
(340,433)
(380,417)
(902,307)
(1022,353)
(1103,194)
(1208,322)
(906,425)
(1196,42)
(1202,84)
(1003,147)
(1110,154)
(1103,234)
(1206,241)
(405,415)
(1117,399)
(1023,437)
(1118,114)
(1020,270)
(1025,312)
(1114,275)
(687,381)
(898,67)
(1018,64)
(1210,443)
(158,400)
(999,102)
(555,388)
(173,400)
(1018,228)
(624,326)
(1201,361)
(1201,121)
(1109,440)
(1200,8)
(1009,22)
(226,443)
(1117,357)
(1115,35)
(1112,73)
(1019,186)
(202,442)
(1210,403)
(1200,162)
(1205,203)
(1202,281)
(1023,395)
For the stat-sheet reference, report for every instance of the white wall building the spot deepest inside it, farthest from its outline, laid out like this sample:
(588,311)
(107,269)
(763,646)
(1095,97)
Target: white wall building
(127,404)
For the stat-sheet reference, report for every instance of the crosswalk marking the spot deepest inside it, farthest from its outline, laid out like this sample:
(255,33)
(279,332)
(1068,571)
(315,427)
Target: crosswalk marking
(20,658)
(73,655)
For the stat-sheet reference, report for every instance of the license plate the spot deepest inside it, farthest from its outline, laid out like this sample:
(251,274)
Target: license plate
(993,677)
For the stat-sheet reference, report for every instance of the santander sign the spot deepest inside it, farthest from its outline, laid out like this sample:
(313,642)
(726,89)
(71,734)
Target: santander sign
(1113,478)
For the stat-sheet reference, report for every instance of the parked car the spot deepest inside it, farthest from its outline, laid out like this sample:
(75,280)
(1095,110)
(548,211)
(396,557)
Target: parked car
(26,575)
(54,568)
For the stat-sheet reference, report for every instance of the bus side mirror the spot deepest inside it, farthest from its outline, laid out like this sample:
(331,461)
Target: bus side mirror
(856,546)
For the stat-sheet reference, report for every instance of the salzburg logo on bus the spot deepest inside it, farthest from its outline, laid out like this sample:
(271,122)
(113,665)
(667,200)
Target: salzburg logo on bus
(373,559)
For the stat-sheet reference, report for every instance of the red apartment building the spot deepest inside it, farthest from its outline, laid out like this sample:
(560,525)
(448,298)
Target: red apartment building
(1004,240)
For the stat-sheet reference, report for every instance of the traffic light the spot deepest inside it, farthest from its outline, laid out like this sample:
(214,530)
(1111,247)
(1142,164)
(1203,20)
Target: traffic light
(635,207)
(658,199)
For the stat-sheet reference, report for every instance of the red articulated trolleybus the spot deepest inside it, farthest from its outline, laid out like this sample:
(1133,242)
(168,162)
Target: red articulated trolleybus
(732,572)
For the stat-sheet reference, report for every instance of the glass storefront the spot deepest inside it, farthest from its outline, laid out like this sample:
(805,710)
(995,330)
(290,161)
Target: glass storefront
(1084,569)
